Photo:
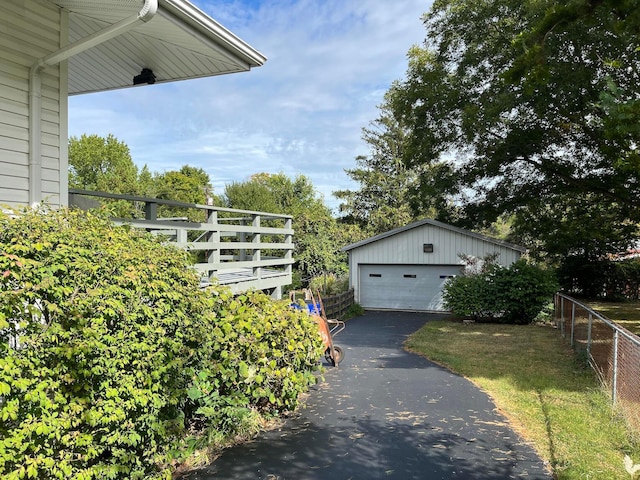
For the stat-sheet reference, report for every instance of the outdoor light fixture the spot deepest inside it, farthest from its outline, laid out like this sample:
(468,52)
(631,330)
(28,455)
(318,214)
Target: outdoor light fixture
(146,76)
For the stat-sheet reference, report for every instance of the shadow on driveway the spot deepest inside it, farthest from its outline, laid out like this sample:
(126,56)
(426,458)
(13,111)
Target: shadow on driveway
(385,414)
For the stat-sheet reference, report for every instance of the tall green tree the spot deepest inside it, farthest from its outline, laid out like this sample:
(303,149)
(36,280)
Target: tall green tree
(535,105)
(101,164)
(188,185)
(388,188)
(318,236)
(104,165)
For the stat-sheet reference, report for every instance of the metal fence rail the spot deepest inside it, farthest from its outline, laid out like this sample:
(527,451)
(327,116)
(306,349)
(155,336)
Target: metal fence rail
(611,350)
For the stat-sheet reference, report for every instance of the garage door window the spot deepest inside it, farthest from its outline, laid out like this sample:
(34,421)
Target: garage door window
(409,276)
(376,275)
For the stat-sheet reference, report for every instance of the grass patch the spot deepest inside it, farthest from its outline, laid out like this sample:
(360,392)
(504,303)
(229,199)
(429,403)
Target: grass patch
(535,380)
(625,314)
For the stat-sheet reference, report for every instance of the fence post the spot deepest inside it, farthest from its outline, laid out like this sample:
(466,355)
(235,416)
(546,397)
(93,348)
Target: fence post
(562,317)
(589,337)
(573,321)
(615,368)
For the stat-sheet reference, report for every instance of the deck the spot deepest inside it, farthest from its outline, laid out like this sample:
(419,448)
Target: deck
(244,250)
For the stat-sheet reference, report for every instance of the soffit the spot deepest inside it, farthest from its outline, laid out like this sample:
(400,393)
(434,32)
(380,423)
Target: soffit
(180,42)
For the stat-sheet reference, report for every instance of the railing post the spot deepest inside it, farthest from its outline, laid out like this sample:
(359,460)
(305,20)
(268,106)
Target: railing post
(288,240)
(213,255)
(150,211)
(257,271)
(242,237)
(181,235)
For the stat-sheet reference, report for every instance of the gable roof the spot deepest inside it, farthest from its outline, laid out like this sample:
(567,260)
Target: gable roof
(434,223)
(179,42)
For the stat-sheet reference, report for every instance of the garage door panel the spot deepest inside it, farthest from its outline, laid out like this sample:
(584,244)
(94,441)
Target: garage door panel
(404,287)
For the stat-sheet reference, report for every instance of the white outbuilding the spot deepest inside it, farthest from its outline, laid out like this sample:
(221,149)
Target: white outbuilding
(406,268)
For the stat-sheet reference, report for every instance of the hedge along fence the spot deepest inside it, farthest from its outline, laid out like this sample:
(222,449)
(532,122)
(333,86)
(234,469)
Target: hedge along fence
(122,356)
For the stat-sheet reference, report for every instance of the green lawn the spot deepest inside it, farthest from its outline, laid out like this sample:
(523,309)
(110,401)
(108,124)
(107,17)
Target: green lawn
(535,380)
(625,314)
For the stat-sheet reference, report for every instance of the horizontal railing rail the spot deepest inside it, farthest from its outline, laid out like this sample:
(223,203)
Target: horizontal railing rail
(243,249)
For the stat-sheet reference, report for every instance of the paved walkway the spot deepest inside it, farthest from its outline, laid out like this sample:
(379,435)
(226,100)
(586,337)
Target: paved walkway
(385,414)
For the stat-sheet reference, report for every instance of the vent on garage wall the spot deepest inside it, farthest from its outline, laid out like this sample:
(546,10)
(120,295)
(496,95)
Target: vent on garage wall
(427,248)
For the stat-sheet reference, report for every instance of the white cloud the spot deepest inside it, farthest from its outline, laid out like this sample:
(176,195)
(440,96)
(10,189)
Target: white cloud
(329,65)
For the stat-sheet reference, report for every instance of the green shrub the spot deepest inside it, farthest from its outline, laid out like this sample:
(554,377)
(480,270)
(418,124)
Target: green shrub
(116,339)
(262,355)
(509,295)
(522,291)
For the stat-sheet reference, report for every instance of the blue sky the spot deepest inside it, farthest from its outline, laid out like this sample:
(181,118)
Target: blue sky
(329,63)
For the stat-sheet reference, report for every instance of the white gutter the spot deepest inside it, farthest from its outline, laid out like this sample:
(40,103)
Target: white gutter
(198,24)
(147,12)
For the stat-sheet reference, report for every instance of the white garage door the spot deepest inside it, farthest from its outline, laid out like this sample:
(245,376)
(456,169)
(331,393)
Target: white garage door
(404,287)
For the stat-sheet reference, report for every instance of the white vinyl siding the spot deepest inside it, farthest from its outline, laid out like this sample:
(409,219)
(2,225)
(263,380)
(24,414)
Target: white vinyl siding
(407,247)
(30,30)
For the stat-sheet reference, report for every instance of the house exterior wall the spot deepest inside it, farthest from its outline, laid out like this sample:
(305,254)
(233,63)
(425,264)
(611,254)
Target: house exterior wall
(406,248)
(31,29)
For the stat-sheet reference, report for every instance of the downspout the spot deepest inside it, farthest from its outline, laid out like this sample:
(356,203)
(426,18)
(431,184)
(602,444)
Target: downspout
(147,12)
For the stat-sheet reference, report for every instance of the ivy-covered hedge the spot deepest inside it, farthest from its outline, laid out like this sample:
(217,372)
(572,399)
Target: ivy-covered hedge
(120,355)
(512,295)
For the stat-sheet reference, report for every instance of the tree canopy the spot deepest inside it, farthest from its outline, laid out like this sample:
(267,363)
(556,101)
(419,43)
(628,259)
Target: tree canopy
(101,164)
(105,165)
(318,237)
(385,196)
(535,107)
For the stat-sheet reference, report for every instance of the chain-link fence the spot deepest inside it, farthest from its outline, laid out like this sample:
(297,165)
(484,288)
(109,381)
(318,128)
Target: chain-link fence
(612,351)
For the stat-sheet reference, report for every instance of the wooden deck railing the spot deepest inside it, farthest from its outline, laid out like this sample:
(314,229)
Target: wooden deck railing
(239,248)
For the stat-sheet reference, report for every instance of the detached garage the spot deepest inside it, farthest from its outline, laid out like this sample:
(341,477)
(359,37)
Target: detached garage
(405,268)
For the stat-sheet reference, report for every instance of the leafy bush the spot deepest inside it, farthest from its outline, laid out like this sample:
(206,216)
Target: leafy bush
(509,295)
(262,355)
(120,354)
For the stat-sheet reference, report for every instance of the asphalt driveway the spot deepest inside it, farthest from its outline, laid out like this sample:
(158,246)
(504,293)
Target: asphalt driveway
(385,414)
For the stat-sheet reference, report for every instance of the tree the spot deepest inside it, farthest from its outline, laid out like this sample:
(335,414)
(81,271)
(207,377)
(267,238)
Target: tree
(188,185)
(318,236)
(104,165)
(535,103)
(101,164)
(385,196)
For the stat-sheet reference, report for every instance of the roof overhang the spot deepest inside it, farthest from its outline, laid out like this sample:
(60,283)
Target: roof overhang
(180,42)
